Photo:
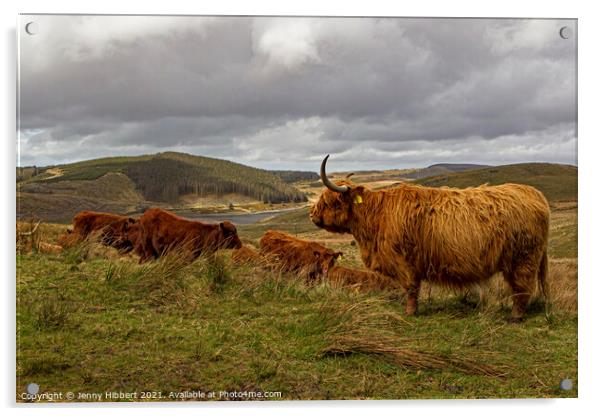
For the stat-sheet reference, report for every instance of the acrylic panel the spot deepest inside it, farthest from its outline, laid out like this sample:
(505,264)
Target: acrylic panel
(295,208)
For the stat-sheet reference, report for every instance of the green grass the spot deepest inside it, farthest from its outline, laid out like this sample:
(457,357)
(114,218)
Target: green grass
(295,222)
(100,325)
(89,320)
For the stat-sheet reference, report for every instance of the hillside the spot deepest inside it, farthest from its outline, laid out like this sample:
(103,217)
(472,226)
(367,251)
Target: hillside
(441,169)
(557,182)
(408,173)
(291,176)
(175,179)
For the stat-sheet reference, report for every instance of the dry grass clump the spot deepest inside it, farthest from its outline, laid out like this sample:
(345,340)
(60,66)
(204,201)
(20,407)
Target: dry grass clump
(28,236)
(161,282)
(562,284)
(494,294)
(366,327)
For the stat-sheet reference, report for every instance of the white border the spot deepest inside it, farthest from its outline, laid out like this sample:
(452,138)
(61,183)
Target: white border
(589,175)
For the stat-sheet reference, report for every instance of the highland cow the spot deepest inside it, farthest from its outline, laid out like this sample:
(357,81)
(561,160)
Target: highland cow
(161,232)
(246,255)
(67,239)
(363,280)
(294,255)
(452,237)
(109,226)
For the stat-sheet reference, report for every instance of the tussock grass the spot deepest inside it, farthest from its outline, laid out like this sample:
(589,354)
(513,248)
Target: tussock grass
(162,282)
(51,313)
(366,327)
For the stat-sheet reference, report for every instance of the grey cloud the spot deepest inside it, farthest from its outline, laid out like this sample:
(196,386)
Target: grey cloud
(281,92)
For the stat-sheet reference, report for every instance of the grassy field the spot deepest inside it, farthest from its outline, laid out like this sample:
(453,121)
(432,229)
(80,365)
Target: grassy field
(91,321)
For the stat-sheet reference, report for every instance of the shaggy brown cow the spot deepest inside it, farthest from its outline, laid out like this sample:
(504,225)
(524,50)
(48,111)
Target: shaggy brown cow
(291,254)
(364,280)
(453,237)
(131,232)
(246,255)
(162,231)
(67,239)
(109,226)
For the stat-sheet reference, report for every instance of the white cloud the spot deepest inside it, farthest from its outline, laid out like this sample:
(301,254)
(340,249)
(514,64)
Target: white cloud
(285,42)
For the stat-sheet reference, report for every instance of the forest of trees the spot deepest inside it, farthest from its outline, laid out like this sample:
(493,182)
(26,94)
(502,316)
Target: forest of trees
(169,175)
(290,176)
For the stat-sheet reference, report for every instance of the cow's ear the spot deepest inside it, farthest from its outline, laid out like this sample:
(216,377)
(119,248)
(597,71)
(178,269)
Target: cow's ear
(227,227)
(131,220)
(316,254)
(357,194)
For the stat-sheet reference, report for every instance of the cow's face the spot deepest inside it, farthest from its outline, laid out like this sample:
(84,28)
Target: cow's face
(67,239)
(229,235)
(334,210)
(131,232)
(125,234)
(325,260)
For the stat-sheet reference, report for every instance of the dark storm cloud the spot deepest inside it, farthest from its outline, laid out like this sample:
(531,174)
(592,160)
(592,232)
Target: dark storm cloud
(281,92)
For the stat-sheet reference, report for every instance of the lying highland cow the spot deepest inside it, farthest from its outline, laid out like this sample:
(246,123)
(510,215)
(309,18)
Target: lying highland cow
(246,255)
(453,237)
(110,228)
(161,231)
(291,254)
(362,280)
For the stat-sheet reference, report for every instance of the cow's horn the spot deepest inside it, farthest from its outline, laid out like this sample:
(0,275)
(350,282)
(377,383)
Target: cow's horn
(327,183)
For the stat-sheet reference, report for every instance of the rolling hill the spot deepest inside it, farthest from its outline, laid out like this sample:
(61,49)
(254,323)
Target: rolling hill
(441,169)
(126,184)
(557,182)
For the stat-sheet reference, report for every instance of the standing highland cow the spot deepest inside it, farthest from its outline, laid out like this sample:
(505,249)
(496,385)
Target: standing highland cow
(453,237)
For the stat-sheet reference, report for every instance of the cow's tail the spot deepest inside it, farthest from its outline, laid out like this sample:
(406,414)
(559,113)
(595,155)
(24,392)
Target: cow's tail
(542,276)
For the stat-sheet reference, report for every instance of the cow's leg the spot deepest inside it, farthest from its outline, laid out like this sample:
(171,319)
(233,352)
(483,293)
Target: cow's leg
(412,288)
(522,280)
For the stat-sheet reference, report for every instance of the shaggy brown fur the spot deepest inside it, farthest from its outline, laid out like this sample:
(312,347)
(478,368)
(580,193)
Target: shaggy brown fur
(294,255)
(67,239)
(454,237)
(161,231)
(49,248)
(110,227)
(363,280)
(246,255)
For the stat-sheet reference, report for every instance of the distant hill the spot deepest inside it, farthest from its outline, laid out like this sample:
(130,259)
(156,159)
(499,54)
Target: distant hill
(557,182)
(128,182)
(291,176)
(440,169)
(409,173)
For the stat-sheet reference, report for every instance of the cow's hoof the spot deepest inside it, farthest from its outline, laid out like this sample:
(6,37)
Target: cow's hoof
(516,319)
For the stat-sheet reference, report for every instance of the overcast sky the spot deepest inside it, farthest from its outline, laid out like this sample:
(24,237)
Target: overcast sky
(280,93)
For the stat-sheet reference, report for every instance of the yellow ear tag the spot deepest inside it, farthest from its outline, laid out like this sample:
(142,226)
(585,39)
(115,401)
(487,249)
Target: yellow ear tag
(358,199)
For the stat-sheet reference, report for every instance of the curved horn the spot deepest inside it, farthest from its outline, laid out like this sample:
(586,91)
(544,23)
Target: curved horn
(327,183)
